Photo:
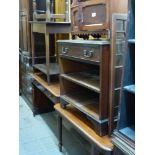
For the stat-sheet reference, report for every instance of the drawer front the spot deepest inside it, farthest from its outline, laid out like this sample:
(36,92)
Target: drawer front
(88,53)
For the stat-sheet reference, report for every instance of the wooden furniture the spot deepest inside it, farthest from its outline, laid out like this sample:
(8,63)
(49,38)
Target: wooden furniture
(124,135)
(100,145)
(94,17)
(50,66)
(51,93)
(84,79)
(45,10)
(25,75)
(118,44)
(24,26)
(41,100)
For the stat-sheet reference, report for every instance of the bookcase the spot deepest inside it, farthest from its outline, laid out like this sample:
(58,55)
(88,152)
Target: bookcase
(94,17)
(124,136)
(84,79)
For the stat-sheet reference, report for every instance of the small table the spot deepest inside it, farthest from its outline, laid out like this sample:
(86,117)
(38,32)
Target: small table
(47,28)
(71,114)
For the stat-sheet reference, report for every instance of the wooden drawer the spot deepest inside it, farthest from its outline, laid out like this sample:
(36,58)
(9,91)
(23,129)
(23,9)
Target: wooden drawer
(89,53)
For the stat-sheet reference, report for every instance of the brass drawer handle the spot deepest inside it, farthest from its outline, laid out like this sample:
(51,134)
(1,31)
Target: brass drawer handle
(88,53)
(65,50)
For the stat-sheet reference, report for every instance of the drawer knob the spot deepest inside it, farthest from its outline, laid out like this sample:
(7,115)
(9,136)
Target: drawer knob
(88,53)
(65,50)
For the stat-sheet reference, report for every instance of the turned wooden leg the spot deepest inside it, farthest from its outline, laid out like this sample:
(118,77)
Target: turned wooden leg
(60,132)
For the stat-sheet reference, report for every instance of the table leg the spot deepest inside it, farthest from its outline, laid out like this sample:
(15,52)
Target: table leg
(60,132)
(47,57)
(32,45)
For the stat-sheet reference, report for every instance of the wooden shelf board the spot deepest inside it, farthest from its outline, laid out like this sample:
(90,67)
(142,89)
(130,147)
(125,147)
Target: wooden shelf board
(130,88)
(81,123)
(128,132)
(86,103)
(53,88)
(53,69)
(87,80)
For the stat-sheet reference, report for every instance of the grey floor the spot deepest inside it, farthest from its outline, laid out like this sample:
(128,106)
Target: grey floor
(38,135)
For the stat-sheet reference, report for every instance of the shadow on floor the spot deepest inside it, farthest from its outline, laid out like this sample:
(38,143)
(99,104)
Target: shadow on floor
(73,142)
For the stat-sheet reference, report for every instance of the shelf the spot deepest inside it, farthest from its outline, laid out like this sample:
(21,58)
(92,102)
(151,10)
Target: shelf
(131,41)
(129,132)
(53,69)
(82,124)
(130,88)
(87,80)
(86,102)
(120,31)
(54,88)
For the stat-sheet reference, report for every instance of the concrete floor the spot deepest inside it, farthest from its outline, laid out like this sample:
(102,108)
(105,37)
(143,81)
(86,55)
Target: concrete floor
(38,135)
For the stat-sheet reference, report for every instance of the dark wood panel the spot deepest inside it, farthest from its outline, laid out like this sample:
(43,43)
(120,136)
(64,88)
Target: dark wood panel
(41,103)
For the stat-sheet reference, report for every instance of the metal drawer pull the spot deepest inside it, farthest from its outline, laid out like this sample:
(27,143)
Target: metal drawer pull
(88,54)
(65,50)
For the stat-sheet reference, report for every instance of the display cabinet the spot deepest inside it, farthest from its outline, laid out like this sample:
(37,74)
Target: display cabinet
(94,17)
(118,48)
(124,135)
(84,79)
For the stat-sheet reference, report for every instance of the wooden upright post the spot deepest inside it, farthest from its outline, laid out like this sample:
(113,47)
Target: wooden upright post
(34,10)
(48,10)
(66,10)
(47,56)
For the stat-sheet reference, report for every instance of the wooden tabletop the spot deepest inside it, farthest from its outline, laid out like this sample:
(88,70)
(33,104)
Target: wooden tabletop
(71,114)
(53,88)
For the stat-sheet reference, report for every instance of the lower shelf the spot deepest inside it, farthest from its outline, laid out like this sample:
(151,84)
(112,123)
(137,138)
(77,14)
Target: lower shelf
(53,69)
(84,126)
(132,41)
(54,88)
(87,103)
(129,132)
